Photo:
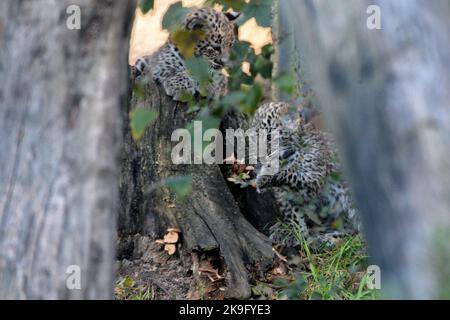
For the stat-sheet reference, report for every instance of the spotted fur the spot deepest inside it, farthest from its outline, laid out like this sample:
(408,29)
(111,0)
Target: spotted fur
(313,199)
(167,65)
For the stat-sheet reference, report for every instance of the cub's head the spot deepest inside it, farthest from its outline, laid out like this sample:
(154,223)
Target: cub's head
(220,34)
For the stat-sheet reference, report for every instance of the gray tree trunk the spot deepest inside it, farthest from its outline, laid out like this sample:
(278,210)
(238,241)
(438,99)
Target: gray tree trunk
(386,94)
(210,218)
(60,98)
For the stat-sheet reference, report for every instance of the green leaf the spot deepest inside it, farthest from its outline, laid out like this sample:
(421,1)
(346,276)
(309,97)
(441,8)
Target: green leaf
(146,5)
(186,40)
(281,282)
(263,290)
(139,90)
(227,4)
(198,68)
(182,185)
(233,99)
(174,16)
(210,122)
(286,82)
(267,51)
(233,4)
(253,97)
(127,282)
(240,51)
(262,66)
(140,119)
(237,78)
(261,10)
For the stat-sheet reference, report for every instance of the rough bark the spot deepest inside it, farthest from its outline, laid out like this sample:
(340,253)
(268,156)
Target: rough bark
(261,210)
(209,218)
(60,98)
(385,94)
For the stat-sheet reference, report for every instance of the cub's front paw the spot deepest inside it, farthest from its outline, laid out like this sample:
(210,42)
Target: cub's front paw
(140,67)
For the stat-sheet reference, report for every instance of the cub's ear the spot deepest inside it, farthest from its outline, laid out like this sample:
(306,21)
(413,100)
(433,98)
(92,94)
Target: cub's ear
(232,15)
(195,23)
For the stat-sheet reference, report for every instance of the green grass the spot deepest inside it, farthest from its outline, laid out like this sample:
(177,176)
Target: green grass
(333,274)
(127,289)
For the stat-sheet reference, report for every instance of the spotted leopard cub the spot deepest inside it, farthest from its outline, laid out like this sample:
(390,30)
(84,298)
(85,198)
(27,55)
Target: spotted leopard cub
(313,199)
(167,65)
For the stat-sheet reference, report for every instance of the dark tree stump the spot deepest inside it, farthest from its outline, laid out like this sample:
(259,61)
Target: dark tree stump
(209,218)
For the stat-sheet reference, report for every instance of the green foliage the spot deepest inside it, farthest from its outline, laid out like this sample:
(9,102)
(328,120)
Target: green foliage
(259,64)
(198,68)
(261,10)
(245,93)
(253,95)
(174,17)
(237,5)
(244,88)
(139,89)
(286,83)
(140,119)
(263,67)
(242,53)
(181,185)
(127,289)
(291,290)
(146,5)
(336,274)
(187,40)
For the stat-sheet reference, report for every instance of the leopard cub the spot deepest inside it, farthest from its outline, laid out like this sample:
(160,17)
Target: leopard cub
(315,202)
(167,66)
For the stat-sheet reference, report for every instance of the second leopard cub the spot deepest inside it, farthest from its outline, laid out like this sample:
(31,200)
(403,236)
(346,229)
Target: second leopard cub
(316,204)
(167,65)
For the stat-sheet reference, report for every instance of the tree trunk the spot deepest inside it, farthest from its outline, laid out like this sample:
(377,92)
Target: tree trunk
(60,98)
(385,94)
(209,218)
